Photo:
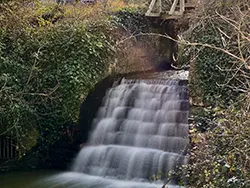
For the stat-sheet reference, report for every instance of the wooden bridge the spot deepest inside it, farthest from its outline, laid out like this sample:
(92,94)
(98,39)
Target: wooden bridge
(177,9)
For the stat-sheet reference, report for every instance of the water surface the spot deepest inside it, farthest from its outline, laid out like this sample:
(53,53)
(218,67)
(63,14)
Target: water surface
(24,179)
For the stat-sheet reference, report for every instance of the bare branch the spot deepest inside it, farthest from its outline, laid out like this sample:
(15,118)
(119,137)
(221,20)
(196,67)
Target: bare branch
(182,41)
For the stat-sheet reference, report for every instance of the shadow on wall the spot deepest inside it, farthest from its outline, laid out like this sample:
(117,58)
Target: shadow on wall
(90,107)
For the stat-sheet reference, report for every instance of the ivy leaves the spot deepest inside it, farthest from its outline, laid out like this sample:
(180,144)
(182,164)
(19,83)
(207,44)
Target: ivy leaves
(46,72)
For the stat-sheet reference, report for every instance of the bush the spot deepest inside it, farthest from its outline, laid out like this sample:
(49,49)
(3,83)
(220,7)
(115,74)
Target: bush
(219,57)
(47,69)
(220,156)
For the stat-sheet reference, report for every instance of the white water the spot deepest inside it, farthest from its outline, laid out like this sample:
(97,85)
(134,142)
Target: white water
(141,130)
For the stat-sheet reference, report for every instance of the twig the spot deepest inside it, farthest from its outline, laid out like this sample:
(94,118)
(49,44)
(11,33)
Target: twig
(2,88)
(43,94)
(185,43)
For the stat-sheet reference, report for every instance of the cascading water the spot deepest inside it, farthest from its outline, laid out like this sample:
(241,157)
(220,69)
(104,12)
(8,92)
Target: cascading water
(140,130)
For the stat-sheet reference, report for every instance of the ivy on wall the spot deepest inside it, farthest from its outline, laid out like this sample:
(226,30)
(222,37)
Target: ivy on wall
(46,71)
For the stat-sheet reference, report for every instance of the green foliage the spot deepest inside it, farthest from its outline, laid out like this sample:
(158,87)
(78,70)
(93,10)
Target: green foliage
(132,20)
(220,156)
(219,56)
(46,72)
(215,69)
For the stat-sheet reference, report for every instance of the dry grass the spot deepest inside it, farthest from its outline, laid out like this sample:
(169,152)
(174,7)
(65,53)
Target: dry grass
(69,12)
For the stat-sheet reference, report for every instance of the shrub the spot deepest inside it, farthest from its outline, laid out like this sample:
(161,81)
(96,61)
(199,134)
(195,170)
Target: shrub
(47,69)
(220,156)
(217,45)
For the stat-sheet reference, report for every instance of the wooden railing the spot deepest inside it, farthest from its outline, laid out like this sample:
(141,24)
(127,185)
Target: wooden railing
(177,9)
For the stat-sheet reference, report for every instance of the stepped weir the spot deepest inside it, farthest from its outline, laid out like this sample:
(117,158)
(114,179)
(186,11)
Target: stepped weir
(140,131)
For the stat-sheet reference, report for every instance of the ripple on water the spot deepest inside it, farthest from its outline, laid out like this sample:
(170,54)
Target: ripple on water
(80,180)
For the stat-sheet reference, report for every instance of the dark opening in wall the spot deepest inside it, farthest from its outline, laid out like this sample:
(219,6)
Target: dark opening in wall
(8,148)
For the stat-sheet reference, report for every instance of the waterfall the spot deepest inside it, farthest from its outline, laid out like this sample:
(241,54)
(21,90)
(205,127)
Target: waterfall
(140,131)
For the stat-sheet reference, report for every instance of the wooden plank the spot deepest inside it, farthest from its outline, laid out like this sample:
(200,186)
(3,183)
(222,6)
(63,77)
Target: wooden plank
(187,6)
(182,7)
(151,6)
(153,14)
(170,17)
(173,7)
(177,13)
(159,6)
